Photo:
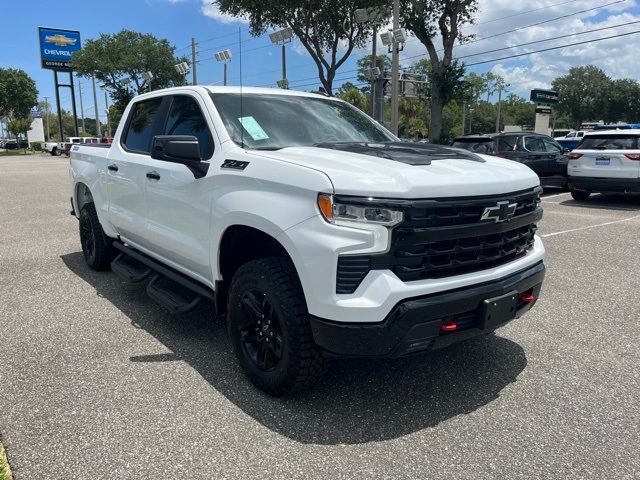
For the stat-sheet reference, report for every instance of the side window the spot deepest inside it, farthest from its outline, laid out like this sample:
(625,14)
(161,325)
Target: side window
(507,144)
(534,144)
(551,147)
(140,129)
(580,134)
(185,118)
(571,135)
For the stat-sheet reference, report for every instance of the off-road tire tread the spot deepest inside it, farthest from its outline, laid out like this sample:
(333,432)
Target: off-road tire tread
(105,252)
(311,364)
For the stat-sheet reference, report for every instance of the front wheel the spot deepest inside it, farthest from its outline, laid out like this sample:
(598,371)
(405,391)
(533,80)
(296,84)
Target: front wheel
(268,324)
(96,246)
(580,195)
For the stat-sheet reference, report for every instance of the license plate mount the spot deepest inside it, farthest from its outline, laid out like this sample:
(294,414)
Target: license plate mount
(499,310)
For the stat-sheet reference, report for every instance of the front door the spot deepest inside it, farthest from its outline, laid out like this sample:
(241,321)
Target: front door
(178,204)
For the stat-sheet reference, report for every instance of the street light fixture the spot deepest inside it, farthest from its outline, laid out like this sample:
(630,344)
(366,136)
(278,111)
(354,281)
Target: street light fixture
(224,57)
(147,77)
(282,37)
(182,69)
(106,102)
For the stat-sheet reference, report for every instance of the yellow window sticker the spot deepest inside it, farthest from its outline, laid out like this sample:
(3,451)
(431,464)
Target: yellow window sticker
(253,128)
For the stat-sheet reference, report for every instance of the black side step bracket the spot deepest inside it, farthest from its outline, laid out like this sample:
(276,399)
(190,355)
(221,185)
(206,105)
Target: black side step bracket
(130,269)
(169,287)
(172,295)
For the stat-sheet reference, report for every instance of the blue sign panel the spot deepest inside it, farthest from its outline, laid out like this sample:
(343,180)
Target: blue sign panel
(57,46)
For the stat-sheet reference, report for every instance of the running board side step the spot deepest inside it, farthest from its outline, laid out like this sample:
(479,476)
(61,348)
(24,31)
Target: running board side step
(170,288)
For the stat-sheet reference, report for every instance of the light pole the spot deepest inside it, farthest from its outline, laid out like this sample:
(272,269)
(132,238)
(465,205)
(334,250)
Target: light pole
(224,57)
(106,103)
(95,107)
(46,117)
(182,69)
(282,37)
(500,85)
(374,17)
(84,130)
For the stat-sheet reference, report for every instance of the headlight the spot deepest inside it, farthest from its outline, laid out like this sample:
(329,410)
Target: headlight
(344,212)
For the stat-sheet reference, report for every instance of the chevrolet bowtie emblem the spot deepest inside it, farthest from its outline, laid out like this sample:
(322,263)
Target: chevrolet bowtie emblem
(60,40)
(502,212)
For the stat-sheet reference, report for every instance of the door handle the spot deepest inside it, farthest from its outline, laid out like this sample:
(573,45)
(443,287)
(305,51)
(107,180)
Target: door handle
(153,175)
(113,167)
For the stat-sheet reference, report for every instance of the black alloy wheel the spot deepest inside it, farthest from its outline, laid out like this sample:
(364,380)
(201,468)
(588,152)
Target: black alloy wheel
(260,331)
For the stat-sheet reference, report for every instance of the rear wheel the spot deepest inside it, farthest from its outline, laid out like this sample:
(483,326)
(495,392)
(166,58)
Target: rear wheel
(269,327)
(580,195)
(96,246)
(54,152)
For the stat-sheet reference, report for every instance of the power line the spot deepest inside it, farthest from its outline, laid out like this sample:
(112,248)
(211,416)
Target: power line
(554,48)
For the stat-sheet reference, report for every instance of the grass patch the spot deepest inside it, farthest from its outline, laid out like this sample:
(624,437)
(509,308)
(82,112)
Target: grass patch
(5,471)
(9,153)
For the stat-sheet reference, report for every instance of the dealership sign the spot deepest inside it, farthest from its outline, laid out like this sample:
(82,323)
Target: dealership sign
(57,46)
(547,97)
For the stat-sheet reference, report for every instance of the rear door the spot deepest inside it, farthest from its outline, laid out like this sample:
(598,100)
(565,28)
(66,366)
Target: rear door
(126,169)
(178,205)
(540,155)
(607,155)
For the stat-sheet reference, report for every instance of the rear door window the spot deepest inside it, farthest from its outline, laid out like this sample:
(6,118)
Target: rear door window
(609,142)
(551,147)
(507,143)
(142,125)
(185,118)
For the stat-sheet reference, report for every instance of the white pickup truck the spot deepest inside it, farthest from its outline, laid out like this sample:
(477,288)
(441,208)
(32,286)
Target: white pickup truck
(312,229)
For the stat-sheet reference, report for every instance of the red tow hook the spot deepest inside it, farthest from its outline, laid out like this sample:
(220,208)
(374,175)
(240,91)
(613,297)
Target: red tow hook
(527,297)
(448,325)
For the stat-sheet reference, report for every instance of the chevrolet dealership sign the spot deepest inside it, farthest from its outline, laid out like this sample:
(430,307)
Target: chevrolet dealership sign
(57,47)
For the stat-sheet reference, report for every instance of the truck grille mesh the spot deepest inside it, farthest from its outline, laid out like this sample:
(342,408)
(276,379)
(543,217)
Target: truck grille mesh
(441,238)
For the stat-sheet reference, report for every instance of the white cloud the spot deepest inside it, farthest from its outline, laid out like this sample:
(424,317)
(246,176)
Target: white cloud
(211,10)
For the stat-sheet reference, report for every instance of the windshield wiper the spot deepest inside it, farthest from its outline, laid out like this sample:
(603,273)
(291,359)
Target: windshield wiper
(267,148)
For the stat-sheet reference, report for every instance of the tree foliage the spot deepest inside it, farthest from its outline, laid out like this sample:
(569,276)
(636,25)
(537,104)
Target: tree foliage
(127,55)
(326,29)
(364,65)
(353,96)
(18,94)
(428,19)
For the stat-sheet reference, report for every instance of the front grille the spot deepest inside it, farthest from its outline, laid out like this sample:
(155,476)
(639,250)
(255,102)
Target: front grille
(442,238)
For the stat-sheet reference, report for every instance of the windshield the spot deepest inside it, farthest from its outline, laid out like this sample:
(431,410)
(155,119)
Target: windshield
(276,121)
(609,142)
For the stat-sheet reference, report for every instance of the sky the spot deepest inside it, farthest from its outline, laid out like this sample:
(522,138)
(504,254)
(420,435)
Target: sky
(499,24)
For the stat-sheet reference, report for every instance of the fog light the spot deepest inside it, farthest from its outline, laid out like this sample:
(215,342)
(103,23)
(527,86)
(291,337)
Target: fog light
(448,325)
(527,297)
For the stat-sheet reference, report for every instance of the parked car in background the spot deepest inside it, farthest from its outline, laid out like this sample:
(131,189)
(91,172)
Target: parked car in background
(65,147)
(14,144)
(571,139)
(605,161)
(539,152)
(52,147)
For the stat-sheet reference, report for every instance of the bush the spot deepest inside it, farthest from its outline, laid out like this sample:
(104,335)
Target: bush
(36,146)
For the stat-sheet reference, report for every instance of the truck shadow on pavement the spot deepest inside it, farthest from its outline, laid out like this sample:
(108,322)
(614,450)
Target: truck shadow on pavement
(358,401)
(606,202)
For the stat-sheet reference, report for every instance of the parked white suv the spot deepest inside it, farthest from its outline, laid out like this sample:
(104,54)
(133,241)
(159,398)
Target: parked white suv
(605,161)
(312,228)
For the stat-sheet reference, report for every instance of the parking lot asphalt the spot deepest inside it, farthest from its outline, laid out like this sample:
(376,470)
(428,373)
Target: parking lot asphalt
(97,381)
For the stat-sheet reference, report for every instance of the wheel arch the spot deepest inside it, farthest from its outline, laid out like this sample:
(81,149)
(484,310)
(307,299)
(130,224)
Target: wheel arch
(238,245)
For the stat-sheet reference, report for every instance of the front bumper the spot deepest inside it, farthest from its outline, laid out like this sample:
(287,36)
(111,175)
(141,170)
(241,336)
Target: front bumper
(414,325)
(605,185)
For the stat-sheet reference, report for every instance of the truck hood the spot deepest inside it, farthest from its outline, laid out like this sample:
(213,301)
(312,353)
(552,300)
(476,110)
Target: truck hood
(454,173)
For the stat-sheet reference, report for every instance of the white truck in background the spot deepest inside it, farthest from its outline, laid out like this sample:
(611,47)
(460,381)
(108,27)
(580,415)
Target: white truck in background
(312,229)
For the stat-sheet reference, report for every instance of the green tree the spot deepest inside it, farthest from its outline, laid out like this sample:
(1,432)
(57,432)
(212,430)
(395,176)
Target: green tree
(517,111)
(20,126)
(355,97)
(583,94)
(623,101)
(18,94)
(428,19)
(113,58)
(327,29)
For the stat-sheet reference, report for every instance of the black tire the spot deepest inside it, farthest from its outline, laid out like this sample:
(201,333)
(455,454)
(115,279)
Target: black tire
(96,246)
(580,195)
(54,152)
(268,324)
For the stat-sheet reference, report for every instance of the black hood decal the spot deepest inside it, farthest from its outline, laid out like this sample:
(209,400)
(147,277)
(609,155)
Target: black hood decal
(405,152)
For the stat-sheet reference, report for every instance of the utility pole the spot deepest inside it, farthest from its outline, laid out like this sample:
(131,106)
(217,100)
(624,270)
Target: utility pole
(106,102)
(499,105)
(395,65)
(84,130)
(374,64)
(95,107)
(46,117)
(194,65)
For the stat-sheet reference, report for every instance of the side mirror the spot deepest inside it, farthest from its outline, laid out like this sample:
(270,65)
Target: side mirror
(183,149)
